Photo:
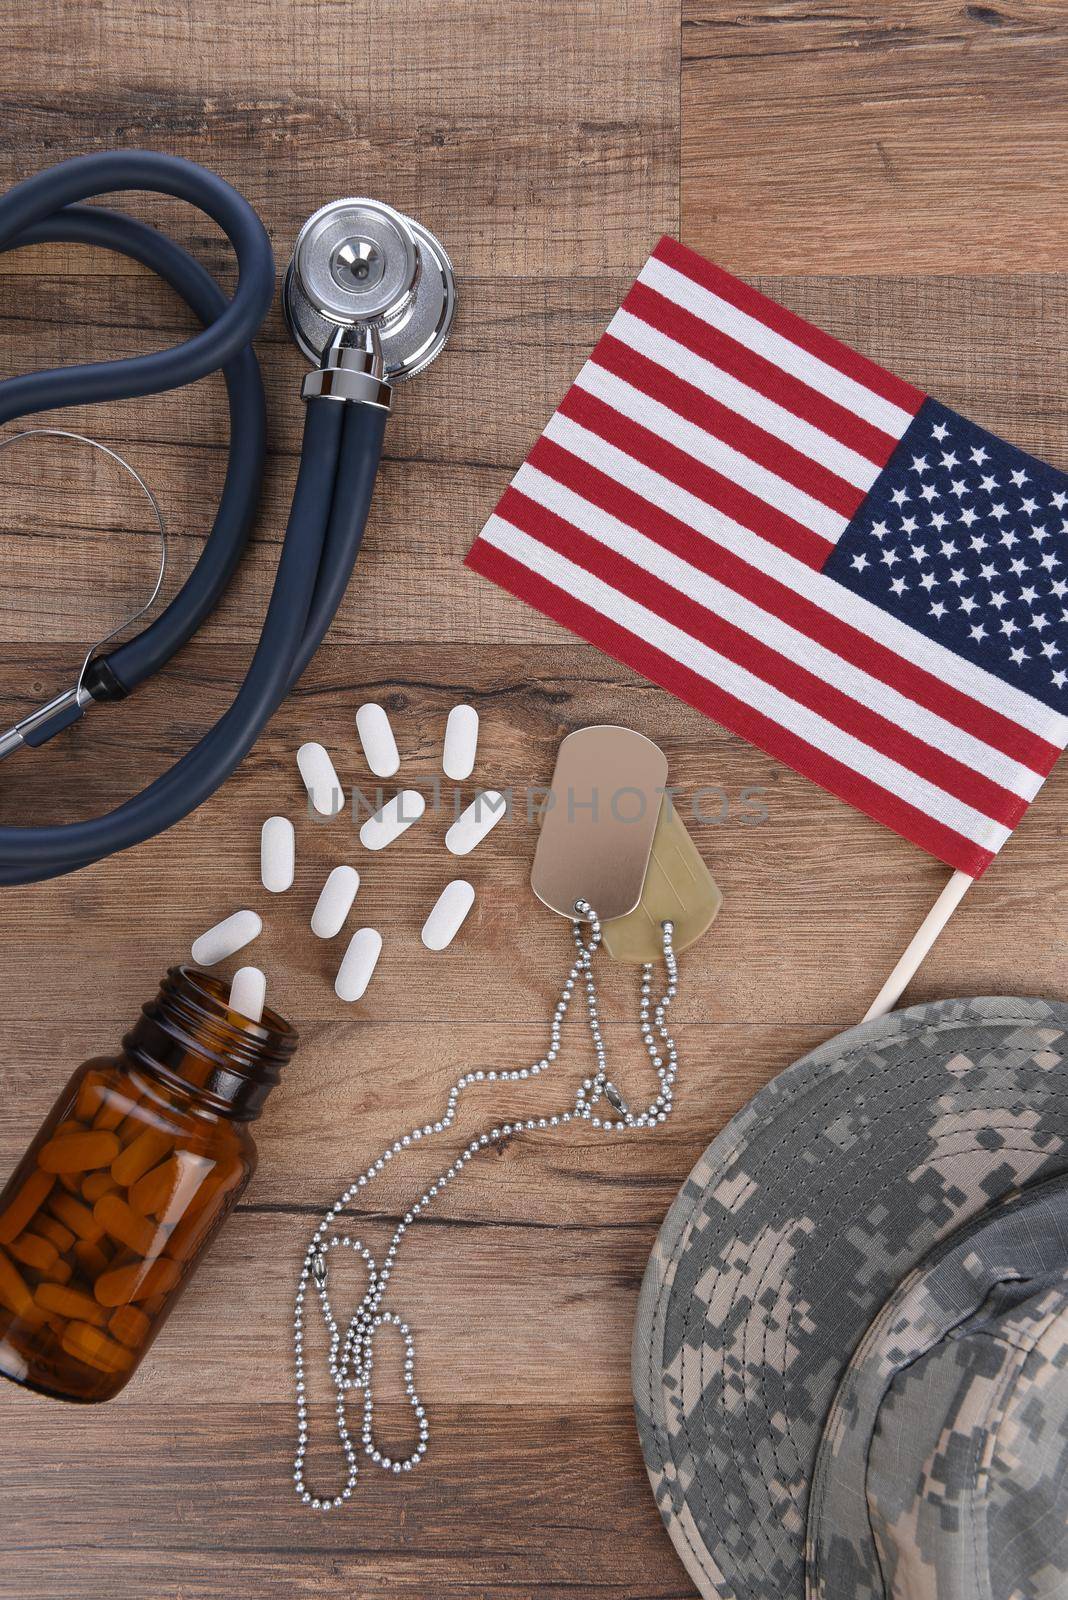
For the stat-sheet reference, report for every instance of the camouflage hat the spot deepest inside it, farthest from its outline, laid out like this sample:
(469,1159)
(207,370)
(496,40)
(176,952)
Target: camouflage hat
(952,1420)
(851,1353)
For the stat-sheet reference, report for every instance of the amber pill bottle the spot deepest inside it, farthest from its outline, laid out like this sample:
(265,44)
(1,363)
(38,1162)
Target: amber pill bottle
(141,1158)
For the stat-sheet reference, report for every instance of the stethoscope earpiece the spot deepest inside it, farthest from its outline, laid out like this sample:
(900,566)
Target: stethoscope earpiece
(358,264)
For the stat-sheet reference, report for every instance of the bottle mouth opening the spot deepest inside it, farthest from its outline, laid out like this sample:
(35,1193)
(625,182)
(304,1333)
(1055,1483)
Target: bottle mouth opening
(189,1036)
(211,995)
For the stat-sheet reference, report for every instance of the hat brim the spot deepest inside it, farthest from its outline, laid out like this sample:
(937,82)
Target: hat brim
(941,1461)
(794,1227)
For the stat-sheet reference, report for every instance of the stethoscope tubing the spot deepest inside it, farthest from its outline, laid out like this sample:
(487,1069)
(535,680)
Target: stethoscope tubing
(39,198)
(341,450)
(143,656)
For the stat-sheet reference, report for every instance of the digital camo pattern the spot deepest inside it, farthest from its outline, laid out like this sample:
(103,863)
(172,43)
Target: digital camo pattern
(943,1470)
(793,1229)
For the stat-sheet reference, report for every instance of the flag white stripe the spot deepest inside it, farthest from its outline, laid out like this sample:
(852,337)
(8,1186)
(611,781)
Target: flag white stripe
(736,680)
(786,640)
(967,678)
(774,347)
(712,452)
(681,361)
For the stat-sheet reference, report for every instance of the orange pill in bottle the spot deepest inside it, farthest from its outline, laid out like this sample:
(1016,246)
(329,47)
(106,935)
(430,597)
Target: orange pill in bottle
(139,1161)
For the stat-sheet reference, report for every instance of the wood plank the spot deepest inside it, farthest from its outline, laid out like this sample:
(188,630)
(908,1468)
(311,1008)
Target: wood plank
(303,101)
(906,138)
(545,239)
(558,1506)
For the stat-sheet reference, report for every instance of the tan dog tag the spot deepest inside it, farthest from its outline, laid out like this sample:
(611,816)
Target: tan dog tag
(678,888)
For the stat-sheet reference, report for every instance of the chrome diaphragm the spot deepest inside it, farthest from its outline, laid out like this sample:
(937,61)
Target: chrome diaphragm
(360,264)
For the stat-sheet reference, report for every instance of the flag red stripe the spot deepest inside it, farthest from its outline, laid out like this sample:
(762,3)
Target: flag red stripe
(758,373)
(796,329)
(826,627)
(704,482)
(732,713)
(797,682)
(730,426)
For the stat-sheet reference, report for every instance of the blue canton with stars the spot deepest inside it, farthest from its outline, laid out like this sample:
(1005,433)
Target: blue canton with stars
(965,539)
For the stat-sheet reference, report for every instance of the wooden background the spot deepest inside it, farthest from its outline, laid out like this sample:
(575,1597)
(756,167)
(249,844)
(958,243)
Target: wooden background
(896,172)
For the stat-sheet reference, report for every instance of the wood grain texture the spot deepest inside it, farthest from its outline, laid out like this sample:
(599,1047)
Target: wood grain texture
(542,142)
(905,137)
(467,1531)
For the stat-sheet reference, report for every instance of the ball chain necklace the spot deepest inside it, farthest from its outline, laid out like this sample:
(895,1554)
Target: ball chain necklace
(350,1357)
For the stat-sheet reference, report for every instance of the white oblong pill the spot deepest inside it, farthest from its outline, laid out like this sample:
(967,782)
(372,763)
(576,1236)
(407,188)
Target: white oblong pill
(320,779)
(357,968)
(472,825)
(376,736)
(248,993)
(278,849)
(392,819)
(446,919)
(226,938)
(335,902)
(461,743)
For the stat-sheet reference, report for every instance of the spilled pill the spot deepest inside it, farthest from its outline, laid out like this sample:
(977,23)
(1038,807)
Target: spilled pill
(357,968)
(392,819)
(278,846)
(461,743)
(472,825)
(376,736)
(446,919)
(335,902)
(247,995)
(226,938)
(320,779)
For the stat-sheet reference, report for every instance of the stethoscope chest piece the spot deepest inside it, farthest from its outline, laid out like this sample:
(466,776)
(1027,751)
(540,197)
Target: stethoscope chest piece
(360,264)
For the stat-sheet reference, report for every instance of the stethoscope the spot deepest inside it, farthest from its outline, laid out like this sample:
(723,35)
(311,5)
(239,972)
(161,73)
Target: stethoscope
(369,297)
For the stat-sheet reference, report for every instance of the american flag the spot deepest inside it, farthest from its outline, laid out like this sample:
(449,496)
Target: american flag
(812,552)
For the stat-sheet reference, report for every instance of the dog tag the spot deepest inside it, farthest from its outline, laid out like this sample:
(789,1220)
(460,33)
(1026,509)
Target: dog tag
(678,889)
(598,821)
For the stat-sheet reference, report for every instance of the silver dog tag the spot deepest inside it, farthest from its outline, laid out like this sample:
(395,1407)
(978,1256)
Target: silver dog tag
(598,821)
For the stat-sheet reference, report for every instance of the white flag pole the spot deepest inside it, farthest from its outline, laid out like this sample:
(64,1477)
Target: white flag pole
(921,942)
